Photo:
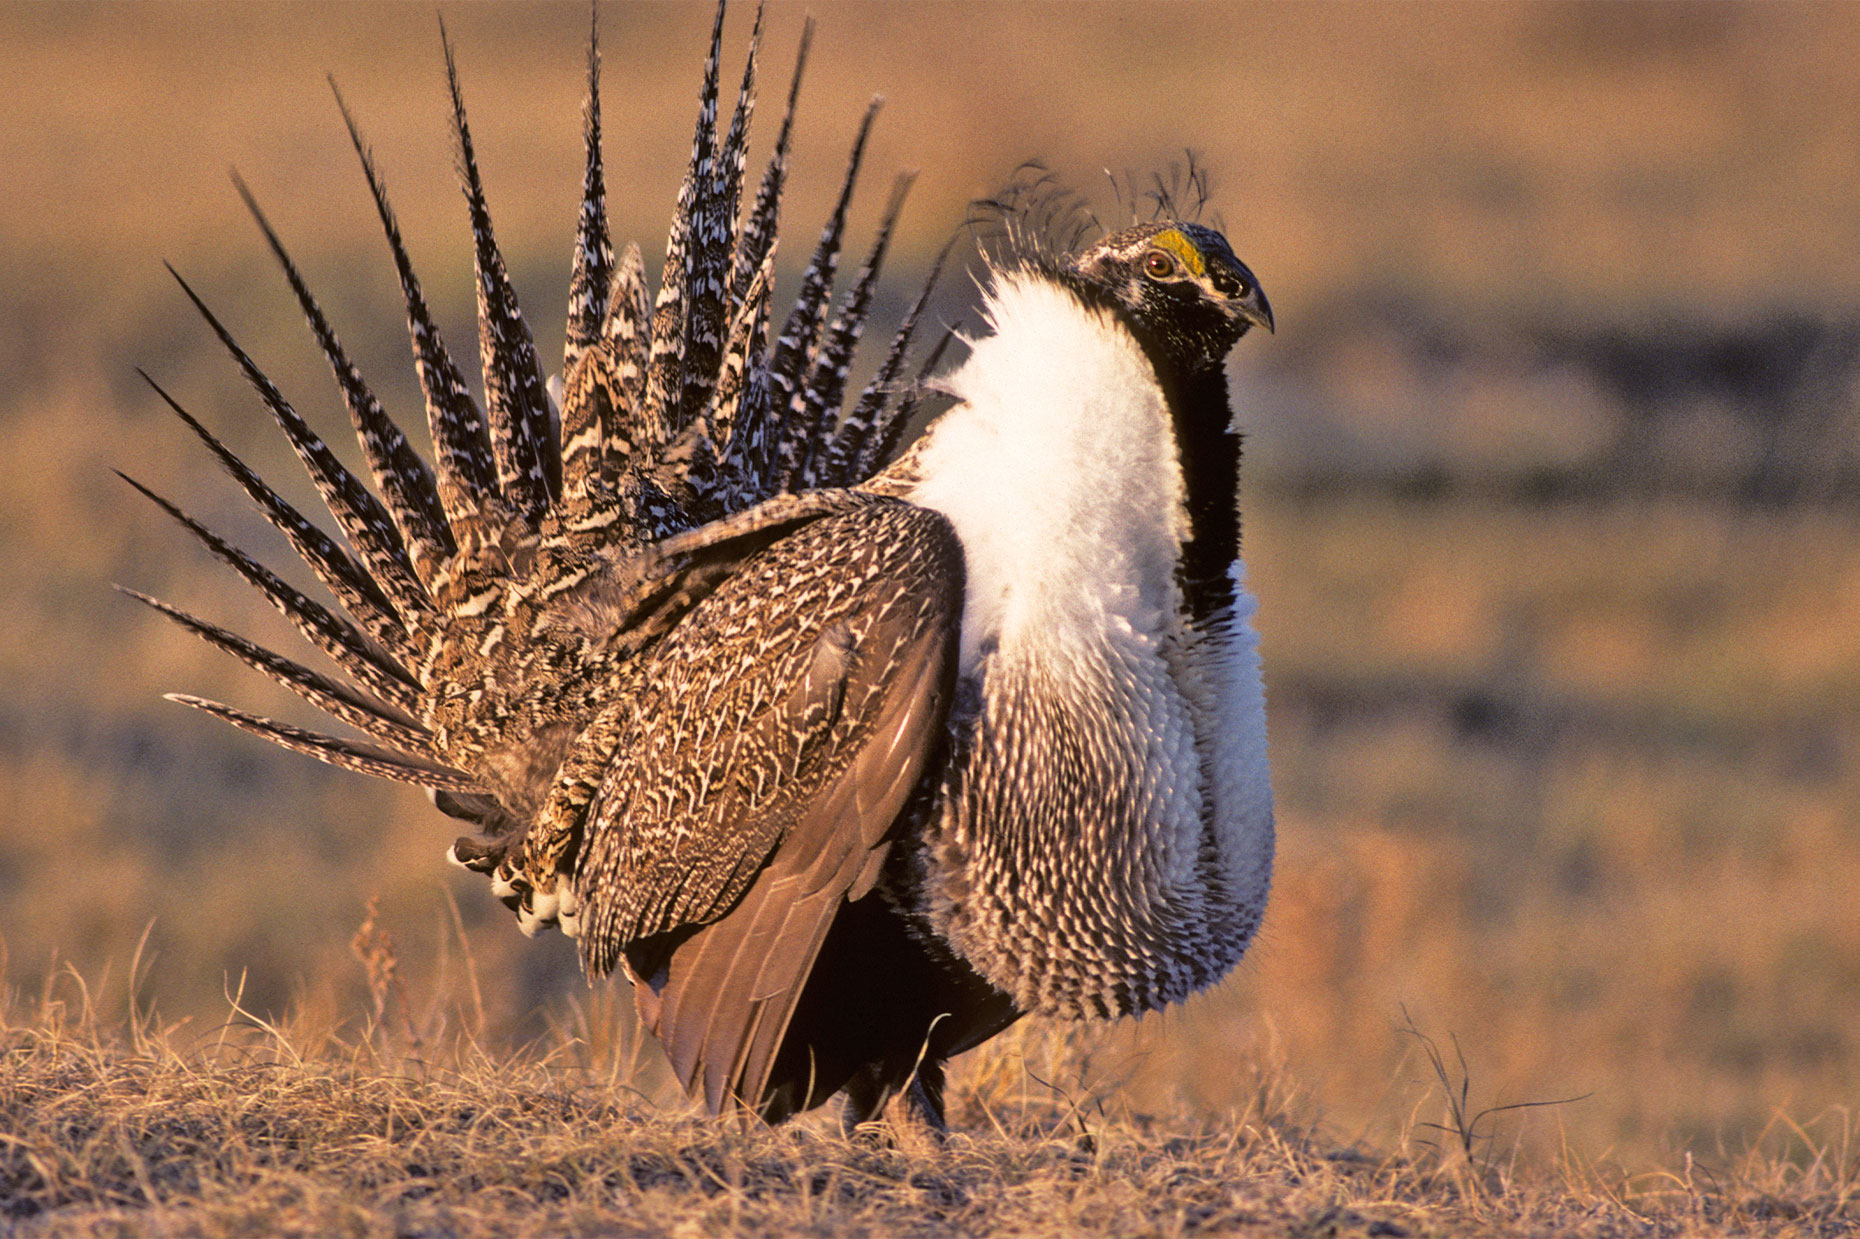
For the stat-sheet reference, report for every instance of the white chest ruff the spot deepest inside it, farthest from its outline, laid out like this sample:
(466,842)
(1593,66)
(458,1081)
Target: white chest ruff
(1107,833)
(1058,471)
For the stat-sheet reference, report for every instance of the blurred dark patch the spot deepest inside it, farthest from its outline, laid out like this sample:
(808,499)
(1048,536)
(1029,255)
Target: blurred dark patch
(1528,721)
(1406,397)
(1590,33)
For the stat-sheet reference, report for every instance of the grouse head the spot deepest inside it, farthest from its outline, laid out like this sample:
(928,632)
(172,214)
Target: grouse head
(1178,287)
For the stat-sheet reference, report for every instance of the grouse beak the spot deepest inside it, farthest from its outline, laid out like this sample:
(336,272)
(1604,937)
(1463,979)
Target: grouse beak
(1240,295)
(1253,308)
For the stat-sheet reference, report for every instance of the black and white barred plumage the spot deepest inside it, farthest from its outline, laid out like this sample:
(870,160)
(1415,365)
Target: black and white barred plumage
(846,766)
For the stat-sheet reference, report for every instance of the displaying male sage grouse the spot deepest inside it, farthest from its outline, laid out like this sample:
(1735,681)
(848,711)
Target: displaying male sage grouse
(846,766)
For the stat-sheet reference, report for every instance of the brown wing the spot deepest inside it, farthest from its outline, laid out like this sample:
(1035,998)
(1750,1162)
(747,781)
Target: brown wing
(752,788)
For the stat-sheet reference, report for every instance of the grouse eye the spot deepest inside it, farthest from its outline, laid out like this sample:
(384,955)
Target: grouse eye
(1158,266)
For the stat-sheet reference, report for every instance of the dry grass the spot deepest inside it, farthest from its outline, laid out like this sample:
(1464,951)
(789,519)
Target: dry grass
(251,1128)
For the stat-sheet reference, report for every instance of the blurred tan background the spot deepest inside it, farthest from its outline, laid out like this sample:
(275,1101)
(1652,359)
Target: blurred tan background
(1553,503)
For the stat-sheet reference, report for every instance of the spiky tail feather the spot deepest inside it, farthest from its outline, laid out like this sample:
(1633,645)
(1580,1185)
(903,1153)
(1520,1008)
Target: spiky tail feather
(795,351)
(348,754)
(825,387)
(467,474)
(523,436)
(404,479)
(588,290)
(870,432)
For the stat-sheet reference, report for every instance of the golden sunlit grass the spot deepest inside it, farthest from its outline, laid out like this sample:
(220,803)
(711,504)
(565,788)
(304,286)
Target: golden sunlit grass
(112,1127)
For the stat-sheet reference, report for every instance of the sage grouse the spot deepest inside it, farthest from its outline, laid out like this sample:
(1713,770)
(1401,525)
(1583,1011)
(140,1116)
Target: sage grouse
(846,757)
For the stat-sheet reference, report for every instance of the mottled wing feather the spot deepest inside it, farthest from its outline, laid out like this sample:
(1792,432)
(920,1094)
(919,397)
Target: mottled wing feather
(733,986)
(778,732)
(873,790)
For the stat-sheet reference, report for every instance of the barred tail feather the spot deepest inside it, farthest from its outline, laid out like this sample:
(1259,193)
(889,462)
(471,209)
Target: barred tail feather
(757,239)
(344,578)
(594,252)
(666,349)
(331,696)
(671,312)
(581,436)
(889,432)
(404,479)
(738,438)
(800,336)
(733,159)
(523,435)
(605,426)
(826,379)
(866,437)
(340,640)
(711,253)
(467,473)
(627,429)
(362,758)
(363,519)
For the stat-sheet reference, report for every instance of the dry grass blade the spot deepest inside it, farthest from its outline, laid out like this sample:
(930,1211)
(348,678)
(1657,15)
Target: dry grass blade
(1463,1123)
(374,947)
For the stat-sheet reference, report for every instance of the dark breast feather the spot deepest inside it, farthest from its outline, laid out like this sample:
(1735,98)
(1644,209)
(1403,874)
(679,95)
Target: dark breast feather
(756,778)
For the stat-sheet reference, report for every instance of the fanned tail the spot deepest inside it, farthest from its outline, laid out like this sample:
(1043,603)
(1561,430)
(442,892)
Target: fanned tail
(742,427)
(676,410)
(360,514)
